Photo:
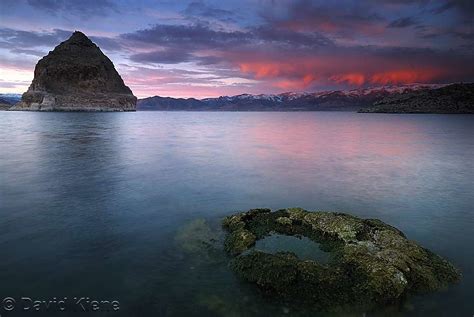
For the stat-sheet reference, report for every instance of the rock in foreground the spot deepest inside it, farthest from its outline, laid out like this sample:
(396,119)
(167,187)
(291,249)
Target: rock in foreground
(455,98)
(77,76)
(372,263)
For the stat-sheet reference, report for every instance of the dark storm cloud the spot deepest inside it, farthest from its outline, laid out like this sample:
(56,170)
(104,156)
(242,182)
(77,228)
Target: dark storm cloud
(84,7)
(405,2)
(290,38)
(204,36)
(403,22)
(465,7)
(185,36)
(177,42)
(279,45)
(165,56)
(19,41)
(468,35)
(359,21)
(464,34)
(342,19)
(107,43)
(26,52)
(203,10)
(28,39)
(294,59)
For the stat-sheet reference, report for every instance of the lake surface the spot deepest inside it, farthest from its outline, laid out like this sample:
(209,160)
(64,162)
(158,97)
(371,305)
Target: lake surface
(112,206)
(304,248)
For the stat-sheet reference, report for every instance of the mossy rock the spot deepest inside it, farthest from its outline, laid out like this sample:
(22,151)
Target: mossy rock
(372,263)
(200,242)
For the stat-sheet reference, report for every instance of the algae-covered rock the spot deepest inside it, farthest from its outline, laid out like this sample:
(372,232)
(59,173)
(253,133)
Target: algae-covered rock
(195,236)
(238,241)
(372,263)
(219,305)
(200,242)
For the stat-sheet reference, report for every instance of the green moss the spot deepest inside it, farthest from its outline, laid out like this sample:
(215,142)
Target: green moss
(372,262)
(195,236)
(274,272)
(238,241)
(200,243)
(218,305)
(284,221)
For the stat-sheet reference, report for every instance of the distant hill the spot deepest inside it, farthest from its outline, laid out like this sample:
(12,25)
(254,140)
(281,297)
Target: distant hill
(4,106)
(336,100)
(169,104)
(8,100)
(455,98)
(415,98)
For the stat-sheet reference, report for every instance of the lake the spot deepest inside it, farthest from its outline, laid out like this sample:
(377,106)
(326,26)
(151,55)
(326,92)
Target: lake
(101,205)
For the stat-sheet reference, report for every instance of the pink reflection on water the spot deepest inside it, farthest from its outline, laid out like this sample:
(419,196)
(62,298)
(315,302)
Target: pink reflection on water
(312,137)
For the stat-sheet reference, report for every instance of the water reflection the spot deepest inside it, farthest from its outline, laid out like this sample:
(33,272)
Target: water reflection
(101,204)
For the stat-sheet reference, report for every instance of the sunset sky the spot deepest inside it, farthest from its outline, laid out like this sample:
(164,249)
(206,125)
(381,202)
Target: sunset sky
(212,48)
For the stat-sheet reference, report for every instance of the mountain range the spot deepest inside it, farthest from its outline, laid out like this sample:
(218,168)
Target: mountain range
(10,98)
(333,100)
(413,98)
(455,98)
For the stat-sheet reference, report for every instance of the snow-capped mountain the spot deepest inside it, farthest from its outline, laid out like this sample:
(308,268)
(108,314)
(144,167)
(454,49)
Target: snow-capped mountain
(9,99)
(334,100)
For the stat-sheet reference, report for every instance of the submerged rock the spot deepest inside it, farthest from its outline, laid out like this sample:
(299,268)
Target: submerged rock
(372,262)
(77,76)
(219,305)
(201,243)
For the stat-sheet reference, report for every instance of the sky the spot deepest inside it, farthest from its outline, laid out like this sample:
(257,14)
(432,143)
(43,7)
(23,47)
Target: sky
(212,48)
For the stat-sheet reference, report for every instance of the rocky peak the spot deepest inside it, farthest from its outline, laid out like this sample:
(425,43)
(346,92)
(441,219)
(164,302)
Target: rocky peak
(77,70)
(77,39)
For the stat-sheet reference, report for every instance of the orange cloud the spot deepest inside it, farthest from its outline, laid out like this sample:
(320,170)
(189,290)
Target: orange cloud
(277,72)
(405,76)
(264,70)
(301,73)
(280,70)
(357,79)
(296,84)
(399,76)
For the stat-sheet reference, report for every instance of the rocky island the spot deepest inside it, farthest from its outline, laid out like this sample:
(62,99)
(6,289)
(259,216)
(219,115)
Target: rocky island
(372,263)
(455,98)
(77,76)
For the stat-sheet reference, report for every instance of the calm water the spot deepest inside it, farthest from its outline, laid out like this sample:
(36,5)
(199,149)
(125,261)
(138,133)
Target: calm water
(304,248)
(111,206)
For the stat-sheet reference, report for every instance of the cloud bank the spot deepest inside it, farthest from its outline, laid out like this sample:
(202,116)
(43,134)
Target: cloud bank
(205,49)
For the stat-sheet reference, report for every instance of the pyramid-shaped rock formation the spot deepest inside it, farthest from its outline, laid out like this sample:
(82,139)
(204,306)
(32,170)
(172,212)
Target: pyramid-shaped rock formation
(77,76)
